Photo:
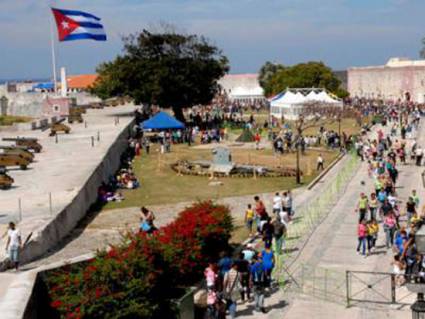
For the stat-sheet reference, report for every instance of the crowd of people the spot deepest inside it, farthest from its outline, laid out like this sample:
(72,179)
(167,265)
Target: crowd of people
(248,277)
(124,178)
(382,207)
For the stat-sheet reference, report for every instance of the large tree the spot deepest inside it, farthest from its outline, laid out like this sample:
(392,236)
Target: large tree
(164,68)
(303,75)
(267,71)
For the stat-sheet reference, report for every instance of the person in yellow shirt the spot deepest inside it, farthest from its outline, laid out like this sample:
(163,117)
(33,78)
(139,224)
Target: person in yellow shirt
(372,234)
(415,219)
(249,218)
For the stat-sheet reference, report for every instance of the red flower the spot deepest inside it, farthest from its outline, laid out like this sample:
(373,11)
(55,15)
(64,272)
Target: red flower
(98,292)
(56,304)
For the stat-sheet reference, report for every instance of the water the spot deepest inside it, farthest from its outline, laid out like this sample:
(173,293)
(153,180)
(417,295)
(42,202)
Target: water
(3,81)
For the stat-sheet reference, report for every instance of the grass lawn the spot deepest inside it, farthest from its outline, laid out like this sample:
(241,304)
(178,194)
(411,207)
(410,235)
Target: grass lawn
(348,125)
(9,119)
(161,185)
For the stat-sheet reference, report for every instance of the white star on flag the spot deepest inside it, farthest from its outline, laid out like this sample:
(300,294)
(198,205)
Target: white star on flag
(65,25)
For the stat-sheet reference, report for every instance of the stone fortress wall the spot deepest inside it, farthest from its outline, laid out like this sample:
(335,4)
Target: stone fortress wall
(391,81)
(31,103)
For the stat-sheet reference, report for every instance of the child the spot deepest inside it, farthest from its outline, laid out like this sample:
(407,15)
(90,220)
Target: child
(398,267)
(249,219)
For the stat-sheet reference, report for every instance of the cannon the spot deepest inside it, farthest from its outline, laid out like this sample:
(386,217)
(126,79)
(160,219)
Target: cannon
(75,114)
(57,127)
(28,142)
(96,105)
(5,180)
(18,150)
(7,160)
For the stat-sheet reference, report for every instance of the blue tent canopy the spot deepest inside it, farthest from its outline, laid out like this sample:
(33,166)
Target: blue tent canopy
(161,121)
(44,86)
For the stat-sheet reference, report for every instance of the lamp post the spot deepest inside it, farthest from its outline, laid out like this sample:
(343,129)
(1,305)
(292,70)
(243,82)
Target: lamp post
(418,308)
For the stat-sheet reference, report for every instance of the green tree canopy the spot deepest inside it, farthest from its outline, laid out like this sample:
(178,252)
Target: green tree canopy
(267,71)
(164,68)
(303,75)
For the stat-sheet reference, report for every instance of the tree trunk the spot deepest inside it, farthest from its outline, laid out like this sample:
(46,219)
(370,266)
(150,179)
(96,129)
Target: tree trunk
(178,113)
(298,164)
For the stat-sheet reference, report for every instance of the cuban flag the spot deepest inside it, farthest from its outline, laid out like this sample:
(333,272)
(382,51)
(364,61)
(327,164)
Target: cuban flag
(78,25)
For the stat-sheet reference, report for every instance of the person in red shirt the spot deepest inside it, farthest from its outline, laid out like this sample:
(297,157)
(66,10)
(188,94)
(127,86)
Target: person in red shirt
(257,139)
(362,234)
(260,213)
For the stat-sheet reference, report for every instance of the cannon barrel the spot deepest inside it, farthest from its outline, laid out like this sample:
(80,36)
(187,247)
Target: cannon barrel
(12,139)
(14,147)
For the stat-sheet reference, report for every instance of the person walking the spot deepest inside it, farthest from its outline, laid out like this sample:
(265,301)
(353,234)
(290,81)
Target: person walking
(260,212)
(361,234)
(258,281)
(231,288)
(210,275)
(415,197)
(389,228)
(269,262)
(277,204)
(257,139)
(289,204)
(279,235)
(362,207)
(410,208)
(373,206)
(320,163)
(268,232)
(419,153)
(249,219)
(243,268)
(13,244)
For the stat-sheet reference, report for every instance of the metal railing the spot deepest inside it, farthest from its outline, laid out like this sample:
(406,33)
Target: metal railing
(310,216)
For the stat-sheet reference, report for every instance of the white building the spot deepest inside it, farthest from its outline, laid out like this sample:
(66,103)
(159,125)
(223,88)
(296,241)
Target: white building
(400,79)
(242,87)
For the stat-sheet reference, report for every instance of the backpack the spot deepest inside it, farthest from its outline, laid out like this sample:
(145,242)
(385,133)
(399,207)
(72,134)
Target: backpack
(279,229)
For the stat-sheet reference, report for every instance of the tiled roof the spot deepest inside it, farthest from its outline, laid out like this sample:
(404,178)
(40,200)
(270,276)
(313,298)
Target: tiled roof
(83,81)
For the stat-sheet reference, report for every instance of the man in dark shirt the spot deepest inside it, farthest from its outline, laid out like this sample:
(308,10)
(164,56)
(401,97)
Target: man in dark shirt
(243,269)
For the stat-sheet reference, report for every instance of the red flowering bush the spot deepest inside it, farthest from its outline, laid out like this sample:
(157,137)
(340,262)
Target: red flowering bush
(135,280)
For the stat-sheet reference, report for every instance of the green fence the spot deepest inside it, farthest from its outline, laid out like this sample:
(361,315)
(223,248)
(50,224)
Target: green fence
(309,216)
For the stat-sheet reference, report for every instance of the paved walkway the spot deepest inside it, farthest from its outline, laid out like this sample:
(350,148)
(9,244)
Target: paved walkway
(332,247)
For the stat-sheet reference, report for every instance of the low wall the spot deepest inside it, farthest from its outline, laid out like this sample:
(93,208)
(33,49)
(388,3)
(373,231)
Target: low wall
(31,103)
(65,221)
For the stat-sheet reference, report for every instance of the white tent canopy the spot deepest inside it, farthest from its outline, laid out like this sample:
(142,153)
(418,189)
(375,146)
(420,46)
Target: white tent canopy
(241,92)
(291,102)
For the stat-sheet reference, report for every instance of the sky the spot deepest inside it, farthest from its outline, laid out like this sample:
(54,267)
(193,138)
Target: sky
(341,33)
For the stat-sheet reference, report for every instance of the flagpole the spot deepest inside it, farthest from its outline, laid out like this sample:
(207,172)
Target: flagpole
(52,43)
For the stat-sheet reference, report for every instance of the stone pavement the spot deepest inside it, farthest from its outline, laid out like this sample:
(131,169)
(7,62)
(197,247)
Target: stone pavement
(332,248)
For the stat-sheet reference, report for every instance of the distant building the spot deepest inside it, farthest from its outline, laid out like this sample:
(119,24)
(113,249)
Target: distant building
(57,106)
(400,79)
(242,87)
(81,83)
